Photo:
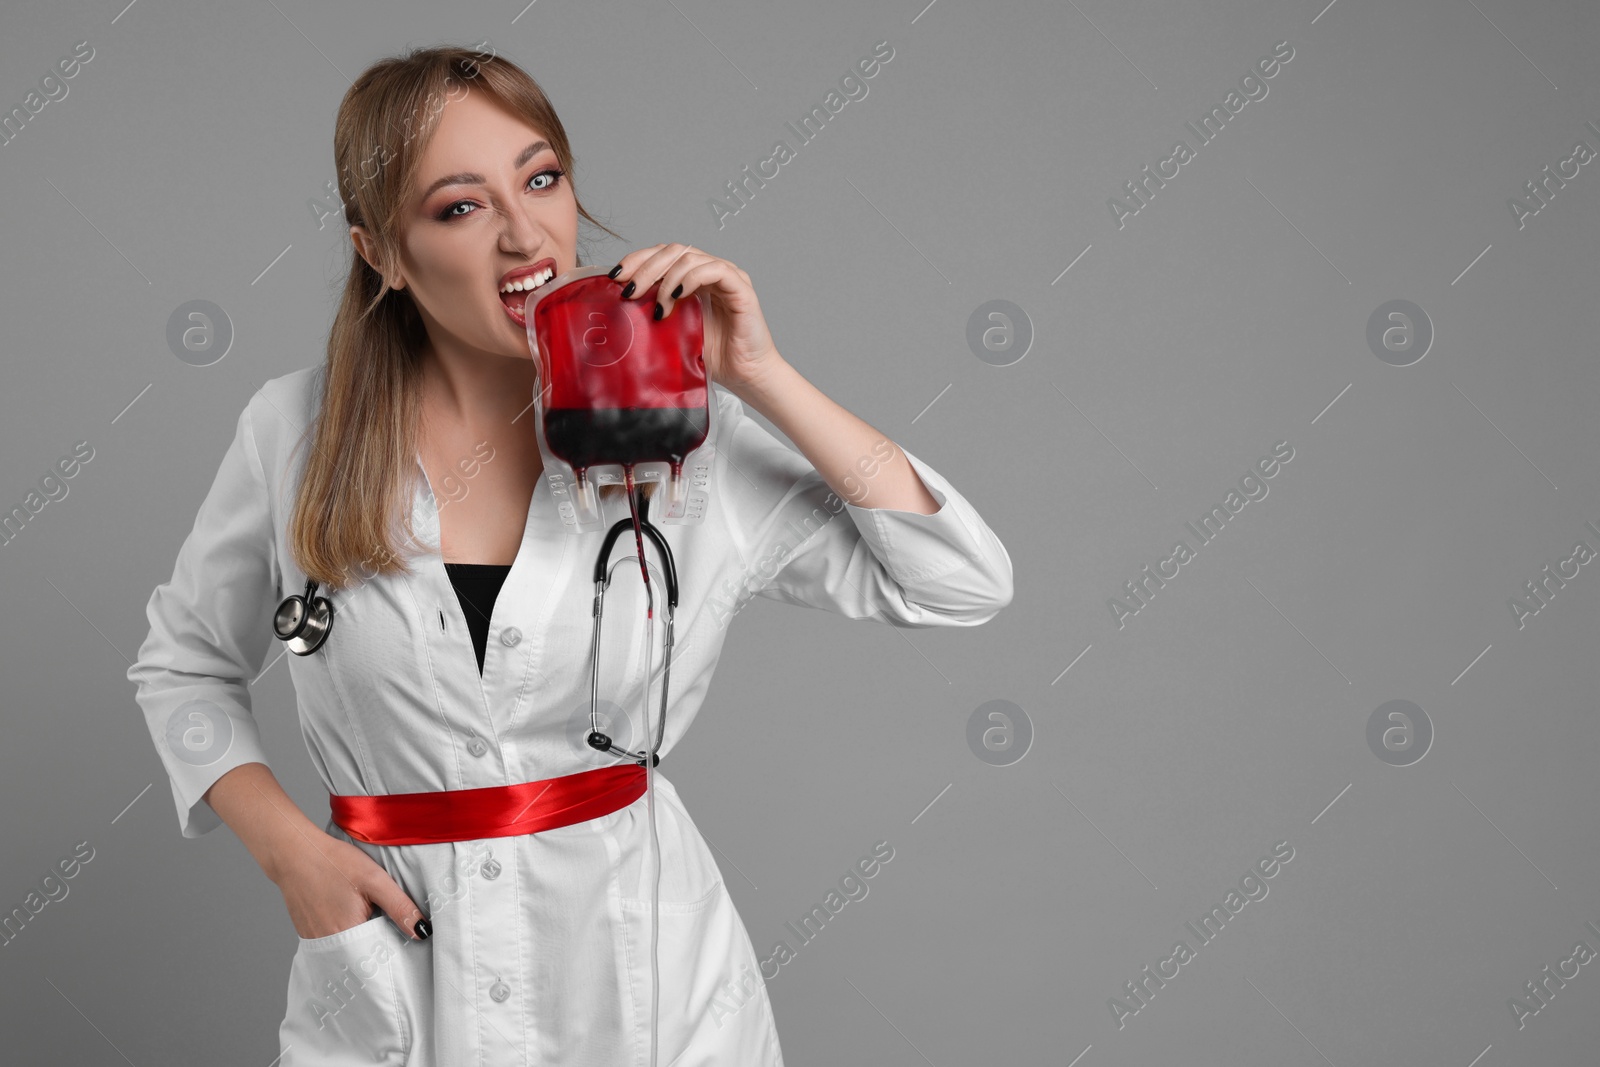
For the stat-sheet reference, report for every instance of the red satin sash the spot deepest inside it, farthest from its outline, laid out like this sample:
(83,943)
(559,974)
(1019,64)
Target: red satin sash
(492,811)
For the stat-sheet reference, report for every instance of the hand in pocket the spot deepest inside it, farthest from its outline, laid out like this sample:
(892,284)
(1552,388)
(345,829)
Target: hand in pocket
(330,886)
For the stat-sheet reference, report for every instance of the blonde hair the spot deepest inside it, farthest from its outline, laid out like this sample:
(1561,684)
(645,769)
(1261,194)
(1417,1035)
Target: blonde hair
(364,437)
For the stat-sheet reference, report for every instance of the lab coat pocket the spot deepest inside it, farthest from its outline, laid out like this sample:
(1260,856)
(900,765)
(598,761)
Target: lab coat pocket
(347,1003)
(622,647)
(694,956)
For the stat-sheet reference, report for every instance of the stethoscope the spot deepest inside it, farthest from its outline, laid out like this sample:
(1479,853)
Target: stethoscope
(602,579)
(304,620)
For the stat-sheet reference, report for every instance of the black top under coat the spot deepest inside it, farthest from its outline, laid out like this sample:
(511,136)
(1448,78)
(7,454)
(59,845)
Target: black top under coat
(477,585)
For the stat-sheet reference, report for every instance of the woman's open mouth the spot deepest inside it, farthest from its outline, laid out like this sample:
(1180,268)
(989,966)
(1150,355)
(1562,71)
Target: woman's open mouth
(517,284)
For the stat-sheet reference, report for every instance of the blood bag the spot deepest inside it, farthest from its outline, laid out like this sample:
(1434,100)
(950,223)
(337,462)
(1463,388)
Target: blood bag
(622,398)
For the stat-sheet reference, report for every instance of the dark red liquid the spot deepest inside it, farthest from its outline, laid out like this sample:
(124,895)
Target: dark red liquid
(587,437)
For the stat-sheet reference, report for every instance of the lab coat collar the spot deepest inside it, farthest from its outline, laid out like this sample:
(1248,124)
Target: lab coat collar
(543,521)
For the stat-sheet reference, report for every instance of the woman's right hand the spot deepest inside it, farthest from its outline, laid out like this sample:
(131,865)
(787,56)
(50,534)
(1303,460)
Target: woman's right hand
(330,885)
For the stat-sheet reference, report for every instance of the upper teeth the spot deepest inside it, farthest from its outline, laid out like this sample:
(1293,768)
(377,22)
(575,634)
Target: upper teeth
(532,281)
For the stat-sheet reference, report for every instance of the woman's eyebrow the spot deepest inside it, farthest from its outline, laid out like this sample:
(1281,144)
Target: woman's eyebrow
(468,178)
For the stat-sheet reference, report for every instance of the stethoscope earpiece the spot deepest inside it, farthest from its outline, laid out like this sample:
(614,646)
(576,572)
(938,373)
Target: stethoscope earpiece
(601,743)
(303,621)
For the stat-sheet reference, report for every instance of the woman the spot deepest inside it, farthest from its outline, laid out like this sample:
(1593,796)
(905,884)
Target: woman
(459,656)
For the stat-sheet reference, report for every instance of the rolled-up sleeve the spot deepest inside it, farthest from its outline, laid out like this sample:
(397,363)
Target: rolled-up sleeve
(801,543)
(210,631)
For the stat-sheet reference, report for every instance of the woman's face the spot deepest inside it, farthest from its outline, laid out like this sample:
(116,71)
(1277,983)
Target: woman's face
(491,197)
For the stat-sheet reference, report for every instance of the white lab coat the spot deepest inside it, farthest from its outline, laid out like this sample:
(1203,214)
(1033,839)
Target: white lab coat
(540,951)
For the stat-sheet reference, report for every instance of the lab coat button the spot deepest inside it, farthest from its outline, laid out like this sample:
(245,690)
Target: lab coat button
(510,636)
(499,991)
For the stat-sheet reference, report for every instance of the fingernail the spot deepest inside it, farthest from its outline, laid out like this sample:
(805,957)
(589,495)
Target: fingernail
(627,290)
(657,315)
(424,929)
(678,291)
(615,271)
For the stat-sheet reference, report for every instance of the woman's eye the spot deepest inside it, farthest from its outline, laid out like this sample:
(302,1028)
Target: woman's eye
(553,173)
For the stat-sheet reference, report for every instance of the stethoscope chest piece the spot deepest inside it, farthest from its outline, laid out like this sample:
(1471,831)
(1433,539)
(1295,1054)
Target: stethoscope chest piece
(303,621)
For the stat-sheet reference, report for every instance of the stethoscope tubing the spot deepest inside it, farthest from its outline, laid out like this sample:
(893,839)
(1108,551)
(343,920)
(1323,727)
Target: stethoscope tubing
(602,580)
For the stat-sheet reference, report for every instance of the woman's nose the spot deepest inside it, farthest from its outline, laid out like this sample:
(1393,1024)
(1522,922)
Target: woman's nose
(519,233)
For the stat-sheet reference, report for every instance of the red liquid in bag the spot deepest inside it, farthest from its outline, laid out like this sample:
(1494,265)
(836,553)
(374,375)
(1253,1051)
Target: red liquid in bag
(585,437)
(620,387)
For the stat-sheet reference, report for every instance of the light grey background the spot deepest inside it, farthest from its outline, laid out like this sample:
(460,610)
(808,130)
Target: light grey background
(1228,315)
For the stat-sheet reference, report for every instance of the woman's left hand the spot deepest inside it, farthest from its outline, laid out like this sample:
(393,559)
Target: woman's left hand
(737,346)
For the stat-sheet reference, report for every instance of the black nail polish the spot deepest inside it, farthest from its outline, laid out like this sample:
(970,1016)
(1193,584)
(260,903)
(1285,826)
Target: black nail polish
(627,290)
(678,291)
(615,271)
(657,314)
(424,929)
